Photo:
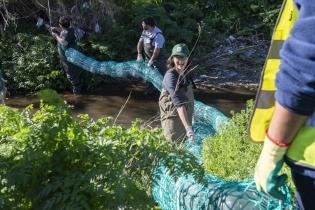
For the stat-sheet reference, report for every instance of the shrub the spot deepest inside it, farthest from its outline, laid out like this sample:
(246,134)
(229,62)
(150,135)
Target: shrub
(33,63)
(51,161)
(230,154)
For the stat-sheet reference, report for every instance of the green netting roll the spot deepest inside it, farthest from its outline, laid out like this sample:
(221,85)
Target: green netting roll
(185,192)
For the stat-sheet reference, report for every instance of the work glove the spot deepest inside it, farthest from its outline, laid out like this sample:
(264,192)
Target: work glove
(40,22)
(150,63)
(190,133)
(267,169)
(139,57)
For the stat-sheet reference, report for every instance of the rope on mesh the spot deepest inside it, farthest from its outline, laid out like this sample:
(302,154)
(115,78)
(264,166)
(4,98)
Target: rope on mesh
(185,192)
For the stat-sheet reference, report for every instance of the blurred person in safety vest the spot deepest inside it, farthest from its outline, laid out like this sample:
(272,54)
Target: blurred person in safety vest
(290,137)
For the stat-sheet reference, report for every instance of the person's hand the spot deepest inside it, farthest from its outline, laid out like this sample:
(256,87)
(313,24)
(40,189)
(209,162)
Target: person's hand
(40,22)
(190,133)
(140,57)
(54,34)
(150,63)
(51,29)
(267,169)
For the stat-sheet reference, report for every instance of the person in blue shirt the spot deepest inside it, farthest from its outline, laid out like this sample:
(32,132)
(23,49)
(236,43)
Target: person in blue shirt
(291,134)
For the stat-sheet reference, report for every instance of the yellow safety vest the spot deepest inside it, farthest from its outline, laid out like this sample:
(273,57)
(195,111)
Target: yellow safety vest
(302,149)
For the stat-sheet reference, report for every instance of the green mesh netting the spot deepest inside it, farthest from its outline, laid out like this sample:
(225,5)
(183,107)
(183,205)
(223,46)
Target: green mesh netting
(186,192)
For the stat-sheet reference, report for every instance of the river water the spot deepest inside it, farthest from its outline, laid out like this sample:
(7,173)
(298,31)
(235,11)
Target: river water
(112,100)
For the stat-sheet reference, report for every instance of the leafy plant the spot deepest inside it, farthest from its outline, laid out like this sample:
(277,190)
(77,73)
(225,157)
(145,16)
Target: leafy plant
(33,63)
(30,61)
(230,154)
(49,160)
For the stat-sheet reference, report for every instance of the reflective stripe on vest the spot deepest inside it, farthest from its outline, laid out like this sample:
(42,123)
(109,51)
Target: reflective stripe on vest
(265,101)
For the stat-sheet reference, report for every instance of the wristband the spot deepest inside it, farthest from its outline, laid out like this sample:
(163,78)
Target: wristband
(277,142)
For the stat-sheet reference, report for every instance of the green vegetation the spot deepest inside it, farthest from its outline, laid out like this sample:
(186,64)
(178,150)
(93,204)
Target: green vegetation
(230,154)
(33,62)
(29,58)
(51,161)
(180,22)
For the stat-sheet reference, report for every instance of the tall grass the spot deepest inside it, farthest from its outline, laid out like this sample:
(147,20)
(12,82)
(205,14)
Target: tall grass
(230,154)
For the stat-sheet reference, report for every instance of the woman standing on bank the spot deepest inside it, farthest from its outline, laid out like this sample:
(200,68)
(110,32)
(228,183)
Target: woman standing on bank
(177,99)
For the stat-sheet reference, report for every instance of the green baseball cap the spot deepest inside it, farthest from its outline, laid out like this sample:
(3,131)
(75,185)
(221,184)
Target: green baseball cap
(180,50)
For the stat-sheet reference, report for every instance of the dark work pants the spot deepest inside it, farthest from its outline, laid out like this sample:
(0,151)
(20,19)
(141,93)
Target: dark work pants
(159,65)
(305,191)
(72,73)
